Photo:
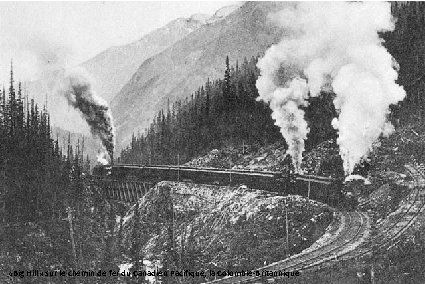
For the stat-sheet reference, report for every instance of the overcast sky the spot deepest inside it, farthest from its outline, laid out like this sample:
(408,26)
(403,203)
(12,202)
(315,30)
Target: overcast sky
(47,35)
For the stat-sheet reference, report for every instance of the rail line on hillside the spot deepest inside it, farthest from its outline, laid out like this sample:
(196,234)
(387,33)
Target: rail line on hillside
(355,229)
(340,248)
(396,227)
(125,182)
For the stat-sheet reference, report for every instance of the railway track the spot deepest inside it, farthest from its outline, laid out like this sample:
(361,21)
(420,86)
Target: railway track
(320,188)
(348,243)
(390,230)
(353,232)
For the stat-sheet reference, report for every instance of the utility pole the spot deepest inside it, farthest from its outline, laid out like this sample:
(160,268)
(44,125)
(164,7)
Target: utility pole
(181,255)
(77,155)
(69,146)
(287,228)
(3,192)
(71,233)
(230,173)
(82,150)
(375,250)
(309,187)
(178,167)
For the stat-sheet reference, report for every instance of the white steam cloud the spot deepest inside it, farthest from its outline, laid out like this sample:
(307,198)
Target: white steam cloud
(332,46)
(102,158)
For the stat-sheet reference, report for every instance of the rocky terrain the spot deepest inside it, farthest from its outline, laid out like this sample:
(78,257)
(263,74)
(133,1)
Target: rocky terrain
(386,179)
(322,160)
(216,227)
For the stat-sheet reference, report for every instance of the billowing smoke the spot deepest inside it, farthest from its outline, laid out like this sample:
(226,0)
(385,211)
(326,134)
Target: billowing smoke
(77,89)
(332,46)
(102,158)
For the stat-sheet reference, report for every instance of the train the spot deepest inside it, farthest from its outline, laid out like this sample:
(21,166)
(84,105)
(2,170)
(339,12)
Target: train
(324,189)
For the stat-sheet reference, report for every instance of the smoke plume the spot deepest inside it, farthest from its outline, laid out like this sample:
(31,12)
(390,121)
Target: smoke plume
(332,46)
(78,91)
(102,158)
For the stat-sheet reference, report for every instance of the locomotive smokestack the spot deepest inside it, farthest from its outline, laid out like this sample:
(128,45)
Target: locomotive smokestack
(332,46)
(77,89)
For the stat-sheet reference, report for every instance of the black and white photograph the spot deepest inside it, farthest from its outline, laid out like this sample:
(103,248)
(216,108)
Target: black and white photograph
(188,142)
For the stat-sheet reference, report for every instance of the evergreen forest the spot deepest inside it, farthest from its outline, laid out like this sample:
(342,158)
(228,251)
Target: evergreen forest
(225,111)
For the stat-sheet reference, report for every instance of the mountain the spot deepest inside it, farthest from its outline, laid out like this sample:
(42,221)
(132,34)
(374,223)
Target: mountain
(222,13)
(113,67)
(181,68)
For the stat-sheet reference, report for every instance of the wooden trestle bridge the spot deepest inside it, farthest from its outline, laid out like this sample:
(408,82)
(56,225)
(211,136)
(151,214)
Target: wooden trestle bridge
(128,183)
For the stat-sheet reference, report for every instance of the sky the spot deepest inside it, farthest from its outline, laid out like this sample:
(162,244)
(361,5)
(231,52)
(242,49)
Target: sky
(44,36)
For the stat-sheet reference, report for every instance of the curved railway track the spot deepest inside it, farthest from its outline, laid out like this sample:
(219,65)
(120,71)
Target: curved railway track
(354,229)
(393,229)
(348,242)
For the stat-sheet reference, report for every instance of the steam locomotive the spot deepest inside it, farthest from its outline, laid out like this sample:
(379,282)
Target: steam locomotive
(319,188)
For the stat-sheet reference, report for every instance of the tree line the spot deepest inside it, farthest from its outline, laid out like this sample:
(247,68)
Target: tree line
(407,45)
(220,113)
(225,111)
(50,218)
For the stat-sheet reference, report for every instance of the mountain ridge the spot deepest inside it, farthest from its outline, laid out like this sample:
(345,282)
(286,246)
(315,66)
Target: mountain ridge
(177,71)
(126,58)
(111,69)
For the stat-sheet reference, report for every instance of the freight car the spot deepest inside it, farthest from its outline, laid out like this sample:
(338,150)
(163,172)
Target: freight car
(319,188)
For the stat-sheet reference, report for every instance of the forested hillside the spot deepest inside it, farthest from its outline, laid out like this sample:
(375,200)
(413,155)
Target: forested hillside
(46,219)
(407,45)
(225,111)
(30,160)
(183,67)
(220,113)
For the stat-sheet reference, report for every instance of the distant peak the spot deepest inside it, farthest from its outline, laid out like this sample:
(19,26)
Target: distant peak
(199,18)
(223,13)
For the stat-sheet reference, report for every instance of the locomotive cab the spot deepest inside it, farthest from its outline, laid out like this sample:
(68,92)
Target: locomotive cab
(102,170)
